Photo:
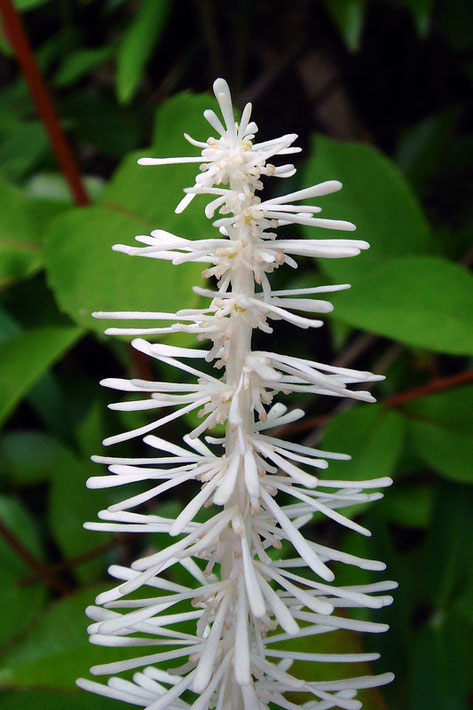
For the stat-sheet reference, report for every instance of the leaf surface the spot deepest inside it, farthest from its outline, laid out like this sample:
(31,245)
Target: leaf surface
(422,301)
(27,356)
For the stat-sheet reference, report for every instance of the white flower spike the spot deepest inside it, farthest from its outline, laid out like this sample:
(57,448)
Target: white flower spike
(220,639)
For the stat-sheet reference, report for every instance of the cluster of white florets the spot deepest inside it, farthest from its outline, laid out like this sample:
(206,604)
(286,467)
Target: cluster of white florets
(230,623)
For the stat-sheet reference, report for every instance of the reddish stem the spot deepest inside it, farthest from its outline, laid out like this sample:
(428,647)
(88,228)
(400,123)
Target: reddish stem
(396,400)
(18,39)
(437,385)
(39,569)
(71,562)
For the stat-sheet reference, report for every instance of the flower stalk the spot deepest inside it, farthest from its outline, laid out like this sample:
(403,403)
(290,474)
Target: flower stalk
(221,640)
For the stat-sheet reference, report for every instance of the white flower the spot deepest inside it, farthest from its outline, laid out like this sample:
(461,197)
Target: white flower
(228,624)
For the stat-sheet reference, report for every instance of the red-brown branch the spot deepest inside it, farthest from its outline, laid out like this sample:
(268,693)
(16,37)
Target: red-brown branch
(437,385)
(71,562)
(16,35)
(40,571)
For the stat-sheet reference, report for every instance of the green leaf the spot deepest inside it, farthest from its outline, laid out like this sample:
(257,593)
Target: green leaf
(421,11)
(376,197)
(25,357)
(153,192)
(454,20)
(18,521)
(23,144)
(79,64)
(423,145)
(27,457)
(24,5)
(86,275)
(441,428)
(20,603)
(94,118)
(408,504)
(348,16)
(47,397)
(20,235)
(372,435)
(441,655)
(53,187)
(5,47)
(421,301)
(137,45)
(31,457)
(70,505)
(464,604)
(445,563)
(56,650)
(381,546)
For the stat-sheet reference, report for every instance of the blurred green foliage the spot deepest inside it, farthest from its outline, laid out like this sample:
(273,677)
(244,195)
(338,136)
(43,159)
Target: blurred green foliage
(380,93)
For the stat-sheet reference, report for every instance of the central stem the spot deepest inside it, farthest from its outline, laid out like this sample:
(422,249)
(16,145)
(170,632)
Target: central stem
(242,284)
(237,437)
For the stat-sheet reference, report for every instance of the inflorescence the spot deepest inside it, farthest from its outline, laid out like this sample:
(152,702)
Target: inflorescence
(221,638)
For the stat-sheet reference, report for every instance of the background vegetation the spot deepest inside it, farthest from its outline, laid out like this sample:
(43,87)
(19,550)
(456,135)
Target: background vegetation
(380,95)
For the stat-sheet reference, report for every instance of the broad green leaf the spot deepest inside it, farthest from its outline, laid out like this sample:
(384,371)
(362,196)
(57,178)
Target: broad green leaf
(408,504)
(445,563)
(86,275)
(464,604)
(441,657)
(70,505)
(91,431)
(152,192)
(23,144)
(381,546)
(28,457)
(80,700)
(20,235)
(423,301)
(15,100)
(16,518)
(8,325)
(339,334)
(376,197)
(25,357)
(137,45)
(30,305)
(94,118)
(56,650)
(348,16)
(371,434)
(441,428)
(20,603)
(79,64)
(32,457)
(48,397)
(53,187)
